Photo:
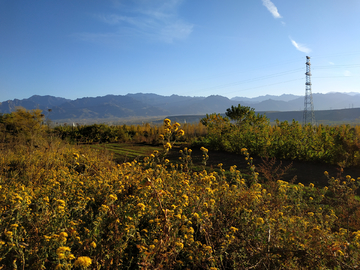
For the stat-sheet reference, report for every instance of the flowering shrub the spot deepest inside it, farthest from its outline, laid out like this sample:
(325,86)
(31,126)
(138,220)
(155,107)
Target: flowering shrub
(71,208)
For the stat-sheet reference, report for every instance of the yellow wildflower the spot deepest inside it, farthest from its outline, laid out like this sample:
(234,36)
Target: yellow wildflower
(61,252)
(167,121)
(83,262)
(168,146)
(141,206)
(61,202)
(63,235)
(179,245)
(14,226)
(259,221)
(113,197)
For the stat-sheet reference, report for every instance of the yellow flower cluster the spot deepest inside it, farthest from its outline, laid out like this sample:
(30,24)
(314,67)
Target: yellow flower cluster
(153,213)
(83,262)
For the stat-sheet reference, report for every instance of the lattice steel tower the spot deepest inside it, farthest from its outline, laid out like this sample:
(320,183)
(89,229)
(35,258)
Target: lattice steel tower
(309,115)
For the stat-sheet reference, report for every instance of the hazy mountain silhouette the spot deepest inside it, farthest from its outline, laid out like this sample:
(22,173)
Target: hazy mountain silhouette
(148,105)
(283,97)
(35,102)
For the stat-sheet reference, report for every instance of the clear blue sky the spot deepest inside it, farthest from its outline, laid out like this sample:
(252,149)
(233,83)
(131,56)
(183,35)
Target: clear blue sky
(249,48)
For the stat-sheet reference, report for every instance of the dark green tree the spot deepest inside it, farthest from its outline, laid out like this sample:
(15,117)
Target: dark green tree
(246,115)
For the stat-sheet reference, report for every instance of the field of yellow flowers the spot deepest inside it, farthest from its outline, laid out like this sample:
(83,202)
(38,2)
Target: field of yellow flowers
(69,207)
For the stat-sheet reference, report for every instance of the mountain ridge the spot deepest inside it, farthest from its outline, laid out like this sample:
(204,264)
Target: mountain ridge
(151,105)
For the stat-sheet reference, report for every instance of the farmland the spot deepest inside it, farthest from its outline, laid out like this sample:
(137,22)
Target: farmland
(155,197)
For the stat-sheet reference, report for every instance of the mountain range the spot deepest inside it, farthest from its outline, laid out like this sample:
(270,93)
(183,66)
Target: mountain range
(142,105)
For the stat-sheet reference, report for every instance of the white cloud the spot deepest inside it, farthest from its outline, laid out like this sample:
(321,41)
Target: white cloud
(347,73)
(177,30)
(152,21)
(272,8)
(300,47)
(331,63)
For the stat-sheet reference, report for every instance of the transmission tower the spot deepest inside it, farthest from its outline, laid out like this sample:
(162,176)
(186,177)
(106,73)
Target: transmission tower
(309,115)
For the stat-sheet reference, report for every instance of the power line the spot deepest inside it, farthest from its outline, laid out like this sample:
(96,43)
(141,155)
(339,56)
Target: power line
(253,80)
(266,85)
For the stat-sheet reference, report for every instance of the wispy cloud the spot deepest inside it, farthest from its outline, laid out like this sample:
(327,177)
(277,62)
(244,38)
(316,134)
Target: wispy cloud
(154,21)
(300,47)
(272,8)
(331,63)
(347,73)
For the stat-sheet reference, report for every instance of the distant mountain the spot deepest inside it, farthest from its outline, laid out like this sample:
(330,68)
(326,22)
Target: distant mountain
(283,97)
(35,102)
(174,104)
(210,104)
(109,106)
(329,101)
(153,105)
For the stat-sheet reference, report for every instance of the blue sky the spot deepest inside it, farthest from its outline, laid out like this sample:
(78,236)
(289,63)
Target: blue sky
(249,48)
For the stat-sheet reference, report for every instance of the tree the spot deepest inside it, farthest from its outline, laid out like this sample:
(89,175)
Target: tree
(217,127)
(246,115)
(23,124)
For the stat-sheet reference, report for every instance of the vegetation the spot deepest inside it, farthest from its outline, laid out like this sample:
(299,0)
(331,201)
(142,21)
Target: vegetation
(65,206)
(245,115)
(284,140)
(22,126)
(101,133)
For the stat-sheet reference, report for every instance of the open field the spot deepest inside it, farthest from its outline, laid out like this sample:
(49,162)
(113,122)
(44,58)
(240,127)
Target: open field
(69,206)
